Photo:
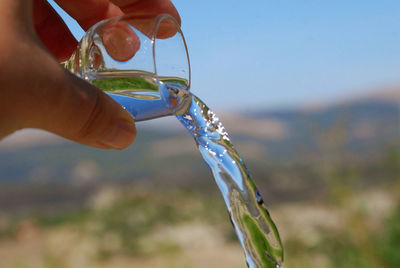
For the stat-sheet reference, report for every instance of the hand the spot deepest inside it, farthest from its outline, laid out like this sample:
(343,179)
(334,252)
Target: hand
(36,92)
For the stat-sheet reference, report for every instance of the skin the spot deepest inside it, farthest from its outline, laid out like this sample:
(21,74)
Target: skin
(36,92)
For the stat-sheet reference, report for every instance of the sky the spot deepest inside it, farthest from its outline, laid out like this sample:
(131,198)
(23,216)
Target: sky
(284,53)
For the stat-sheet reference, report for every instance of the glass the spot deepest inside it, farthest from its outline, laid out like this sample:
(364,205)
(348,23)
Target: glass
(130,58)
(142,62)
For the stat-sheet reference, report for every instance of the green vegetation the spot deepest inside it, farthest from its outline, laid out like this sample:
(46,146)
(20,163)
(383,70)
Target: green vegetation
(126,226)
(355,246)
(124,83)
(7,229)
(334,199)
(56,219)
(176,80)
(134,215)
(388,241)
(260,242)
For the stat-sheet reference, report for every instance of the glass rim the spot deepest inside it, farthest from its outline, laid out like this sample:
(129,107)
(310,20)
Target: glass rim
(159,19)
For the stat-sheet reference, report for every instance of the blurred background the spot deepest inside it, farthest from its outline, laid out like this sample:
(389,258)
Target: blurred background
(310,93)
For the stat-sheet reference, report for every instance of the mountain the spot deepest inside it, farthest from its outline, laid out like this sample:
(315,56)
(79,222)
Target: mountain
(357,126)
(356,130)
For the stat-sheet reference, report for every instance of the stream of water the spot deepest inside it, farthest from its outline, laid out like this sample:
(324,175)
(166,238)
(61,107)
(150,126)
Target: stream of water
(254,227)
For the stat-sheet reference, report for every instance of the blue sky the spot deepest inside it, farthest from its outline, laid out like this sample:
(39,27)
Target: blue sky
(276,53)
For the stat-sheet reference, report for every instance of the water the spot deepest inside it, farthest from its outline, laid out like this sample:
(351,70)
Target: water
(136,91)
(254,227)
(145,97)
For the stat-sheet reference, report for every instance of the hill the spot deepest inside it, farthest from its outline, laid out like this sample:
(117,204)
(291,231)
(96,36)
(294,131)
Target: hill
(289,151)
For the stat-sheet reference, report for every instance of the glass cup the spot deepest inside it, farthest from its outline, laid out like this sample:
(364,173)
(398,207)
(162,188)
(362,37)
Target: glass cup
(131,58)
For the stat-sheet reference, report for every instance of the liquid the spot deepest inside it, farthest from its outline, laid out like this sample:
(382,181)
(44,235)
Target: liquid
(136,91)
(145,98)
(254,227)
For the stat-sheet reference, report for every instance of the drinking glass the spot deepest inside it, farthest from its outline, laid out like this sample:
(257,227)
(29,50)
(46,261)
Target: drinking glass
(131,58)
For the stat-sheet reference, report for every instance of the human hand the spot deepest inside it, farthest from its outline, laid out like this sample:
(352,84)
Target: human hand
(36,92)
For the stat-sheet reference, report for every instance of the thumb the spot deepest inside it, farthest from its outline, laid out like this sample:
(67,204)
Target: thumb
(68,106)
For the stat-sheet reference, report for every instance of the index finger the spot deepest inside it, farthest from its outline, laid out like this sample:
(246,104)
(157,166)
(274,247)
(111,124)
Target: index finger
(89,12)
(149,8)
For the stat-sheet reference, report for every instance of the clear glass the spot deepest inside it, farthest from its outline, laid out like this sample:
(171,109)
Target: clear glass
(129,58)
(142,62)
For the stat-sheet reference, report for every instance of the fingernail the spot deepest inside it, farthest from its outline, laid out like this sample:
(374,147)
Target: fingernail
(120,136)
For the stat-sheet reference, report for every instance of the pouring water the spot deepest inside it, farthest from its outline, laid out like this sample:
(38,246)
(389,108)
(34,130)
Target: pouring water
(152,79)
